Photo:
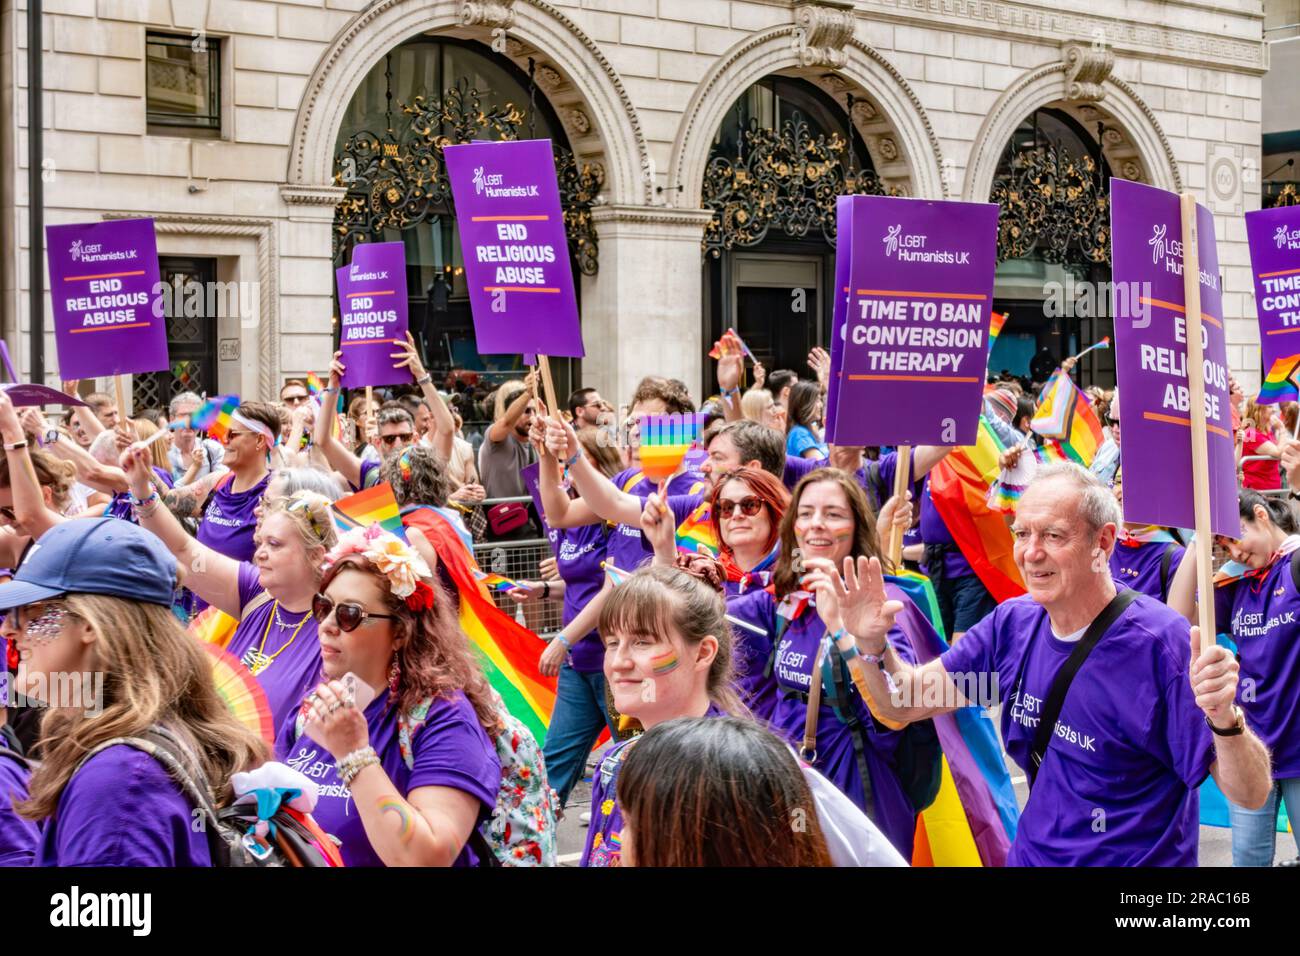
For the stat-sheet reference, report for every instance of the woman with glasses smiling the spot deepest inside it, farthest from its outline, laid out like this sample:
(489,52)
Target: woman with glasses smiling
(270,597)
(398,736)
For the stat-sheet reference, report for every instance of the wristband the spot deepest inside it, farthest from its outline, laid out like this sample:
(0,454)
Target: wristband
(138,502)
(877,659)
(329,388)
(572,461)
(852,651)
(424,379)
(352,764)
(728,392)
(14,446)
(565,641)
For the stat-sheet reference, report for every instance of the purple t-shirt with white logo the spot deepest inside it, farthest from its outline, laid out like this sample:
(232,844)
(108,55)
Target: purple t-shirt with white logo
(120,504)
(1138,567)
(625,550)
(1118,784)
(581,552)
(836,760)
(295,669)
(934,531)
(1262,615)
(228,521)
(449,750)
(18,835)
(122,808)
(750,650)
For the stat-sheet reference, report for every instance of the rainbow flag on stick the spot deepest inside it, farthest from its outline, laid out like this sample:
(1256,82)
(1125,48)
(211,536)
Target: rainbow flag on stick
(998,320)
(695,534)
(213,416)
(314,386)
(495,582)
(375,505)
(729,342)
(1066,420)
(1282,383)
(665,440)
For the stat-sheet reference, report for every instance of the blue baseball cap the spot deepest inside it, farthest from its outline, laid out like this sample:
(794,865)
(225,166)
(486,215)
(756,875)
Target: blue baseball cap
(94,556)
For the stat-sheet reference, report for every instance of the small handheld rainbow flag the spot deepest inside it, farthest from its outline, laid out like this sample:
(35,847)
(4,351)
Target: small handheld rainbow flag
(665,440)
(313,383)
(695,534)
(495,582)
(213,416)
(374,505)
(1103,344)
(726,344)
(1280,384)
(995,327)
(616,575)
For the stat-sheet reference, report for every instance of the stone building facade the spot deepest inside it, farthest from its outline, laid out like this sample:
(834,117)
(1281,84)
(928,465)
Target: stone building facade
(1168,91)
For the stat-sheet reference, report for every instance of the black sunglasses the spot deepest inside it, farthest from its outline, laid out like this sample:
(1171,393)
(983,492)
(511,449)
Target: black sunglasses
(748,507)
(294,399)
(393,439)
(350,616)
(9,513)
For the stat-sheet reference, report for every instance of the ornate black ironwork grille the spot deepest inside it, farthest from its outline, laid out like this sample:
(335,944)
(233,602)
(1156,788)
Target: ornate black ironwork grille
(398,179)
(1055,206)
(785,178)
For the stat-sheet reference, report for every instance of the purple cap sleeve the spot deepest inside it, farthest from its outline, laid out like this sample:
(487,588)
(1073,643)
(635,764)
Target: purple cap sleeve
(249,583)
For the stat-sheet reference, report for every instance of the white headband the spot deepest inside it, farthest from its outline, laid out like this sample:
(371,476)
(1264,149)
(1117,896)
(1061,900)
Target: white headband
(253,426)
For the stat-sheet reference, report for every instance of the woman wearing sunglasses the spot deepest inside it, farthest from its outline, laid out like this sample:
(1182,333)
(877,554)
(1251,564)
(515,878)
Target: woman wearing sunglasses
(270,597)
(92,603)
(404,777)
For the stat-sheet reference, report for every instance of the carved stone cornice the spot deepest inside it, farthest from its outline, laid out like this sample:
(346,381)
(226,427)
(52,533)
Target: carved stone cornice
(652,216)
(821,31)
(488,13)
(319,195)
(1087,65)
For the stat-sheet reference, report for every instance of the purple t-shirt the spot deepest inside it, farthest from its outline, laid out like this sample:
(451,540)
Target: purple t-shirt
(875,477)
(1139,567)
(120,505)
(582,550)
(836,760)
(122,808)
(934,531)
(625,550)
(1262,615)
(604,834)
(228,521)
(1118,784)
(750,650)
(449,750)
(18,835)
(296,667)
(681,507)
(369,474)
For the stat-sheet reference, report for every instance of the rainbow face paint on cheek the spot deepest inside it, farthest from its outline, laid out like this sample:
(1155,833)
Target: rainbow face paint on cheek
(664,663)
(407,826)
(842,534)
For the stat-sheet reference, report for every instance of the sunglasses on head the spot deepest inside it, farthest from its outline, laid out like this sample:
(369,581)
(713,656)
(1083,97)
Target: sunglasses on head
(748,507)
(394,439)
(349,615)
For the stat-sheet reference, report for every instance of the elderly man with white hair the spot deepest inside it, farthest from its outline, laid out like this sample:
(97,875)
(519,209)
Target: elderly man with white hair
(1098,707)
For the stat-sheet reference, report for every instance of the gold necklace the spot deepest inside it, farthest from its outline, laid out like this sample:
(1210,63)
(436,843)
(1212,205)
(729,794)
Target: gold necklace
(256,660)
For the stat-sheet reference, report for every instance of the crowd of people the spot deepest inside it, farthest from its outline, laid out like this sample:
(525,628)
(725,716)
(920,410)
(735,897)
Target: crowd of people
(776,675)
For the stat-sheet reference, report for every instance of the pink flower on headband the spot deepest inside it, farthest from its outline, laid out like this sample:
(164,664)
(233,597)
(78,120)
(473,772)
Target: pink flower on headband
(390,555)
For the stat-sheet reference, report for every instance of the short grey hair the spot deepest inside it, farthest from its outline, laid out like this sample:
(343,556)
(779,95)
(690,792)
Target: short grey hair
(1097,504)
(184,398)
(308,479)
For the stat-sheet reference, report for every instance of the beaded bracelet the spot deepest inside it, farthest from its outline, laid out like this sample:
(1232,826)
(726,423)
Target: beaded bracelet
(353,763)
(138,502)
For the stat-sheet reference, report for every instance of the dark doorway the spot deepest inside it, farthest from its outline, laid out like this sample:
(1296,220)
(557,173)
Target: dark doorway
(191,304)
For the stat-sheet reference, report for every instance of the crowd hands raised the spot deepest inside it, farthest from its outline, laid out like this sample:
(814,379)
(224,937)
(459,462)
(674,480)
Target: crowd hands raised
(702,664)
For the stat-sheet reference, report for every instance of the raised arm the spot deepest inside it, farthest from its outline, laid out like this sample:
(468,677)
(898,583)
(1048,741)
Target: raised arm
(598,492)
(925,457)
(29,501)
(1182,589)
(498,431)
(444,426)
(340,459)
(658,526)
(208,573)
(90,424)
(730,367)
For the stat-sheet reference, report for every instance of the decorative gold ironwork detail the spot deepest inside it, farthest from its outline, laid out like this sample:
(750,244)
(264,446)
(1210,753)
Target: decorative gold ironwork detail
(785,179)
(1288,195)
(1053,205)
(399,179)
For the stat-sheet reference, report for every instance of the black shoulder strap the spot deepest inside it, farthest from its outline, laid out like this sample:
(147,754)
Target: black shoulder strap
(781,625)
(1166,561)
(1065,676)
(1295,569)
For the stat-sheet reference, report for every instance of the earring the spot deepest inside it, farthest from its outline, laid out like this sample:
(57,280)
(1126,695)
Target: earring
(394,678)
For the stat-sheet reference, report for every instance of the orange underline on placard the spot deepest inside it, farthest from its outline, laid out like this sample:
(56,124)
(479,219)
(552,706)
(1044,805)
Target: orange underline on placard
(1282,331)
(112,328)
(924,295)
(912,378)
(1175,307)
(515,288)
(370,342)
(1284,272)
(103,275)
(353,295)
(1175,420)
(508,218)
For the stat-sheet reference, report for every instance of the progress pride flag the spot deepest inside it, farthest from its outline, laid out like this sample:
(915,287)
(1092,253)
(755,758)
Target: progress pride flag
(106,298)
(1151,362)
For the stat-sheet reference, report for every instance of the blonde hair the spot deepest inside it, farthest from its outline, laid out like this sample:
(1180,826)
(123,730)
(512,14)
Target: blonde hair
(144,430)
(754,402)
(310,514)
(154,673)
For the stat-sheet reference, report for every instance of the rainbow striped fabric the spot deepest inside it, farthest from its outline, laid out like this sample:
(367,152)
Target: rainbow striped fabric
(998,320)
(664,442)
(495,582)
(1282,383)
(374,505)
(725,344)
(313,384)
(695,534)
(1065,418)
(213,416)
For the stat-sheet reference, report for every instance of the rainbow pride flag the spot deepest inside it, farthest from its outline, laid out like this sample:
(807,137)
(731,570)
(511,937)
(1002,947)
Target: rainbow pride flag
(695,534)
(1282,383)
(507,651)
(213,416)
(1065,418)
(213,626)
(973,820)
(725,345)
(495,582)
(664,442)
(314,386)
(374,505)
(959,489)
(998,320)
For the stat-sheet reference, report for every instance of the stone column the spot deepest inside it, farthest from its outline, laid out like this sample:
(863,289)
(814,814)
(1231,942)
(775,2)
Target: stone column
(641,313)
(306,280)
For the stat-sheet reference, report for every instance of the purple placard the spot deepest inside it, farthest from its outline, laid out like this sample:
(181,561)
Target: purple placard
(531,474)
(373,314)
(1274,237)
(25,393)
(516,253)
(916,330)
(106,298)
(843,256)
(1151,362)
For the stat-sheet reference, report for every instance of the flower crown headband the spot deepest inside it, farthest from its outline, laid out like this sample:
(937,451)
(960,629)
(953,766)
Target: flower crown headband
(406,571)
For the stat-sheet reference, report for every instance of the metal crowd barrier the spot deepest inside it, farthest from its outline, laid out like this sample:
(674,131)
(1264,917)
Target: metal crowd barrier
(1269,491)
(520,560)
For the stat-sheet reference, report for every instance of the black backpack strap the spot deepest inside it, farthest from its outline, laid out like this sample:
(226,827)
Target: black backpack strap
(1065,676)
(1166,561)
(781,625)
(844,710)
(1295,569)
